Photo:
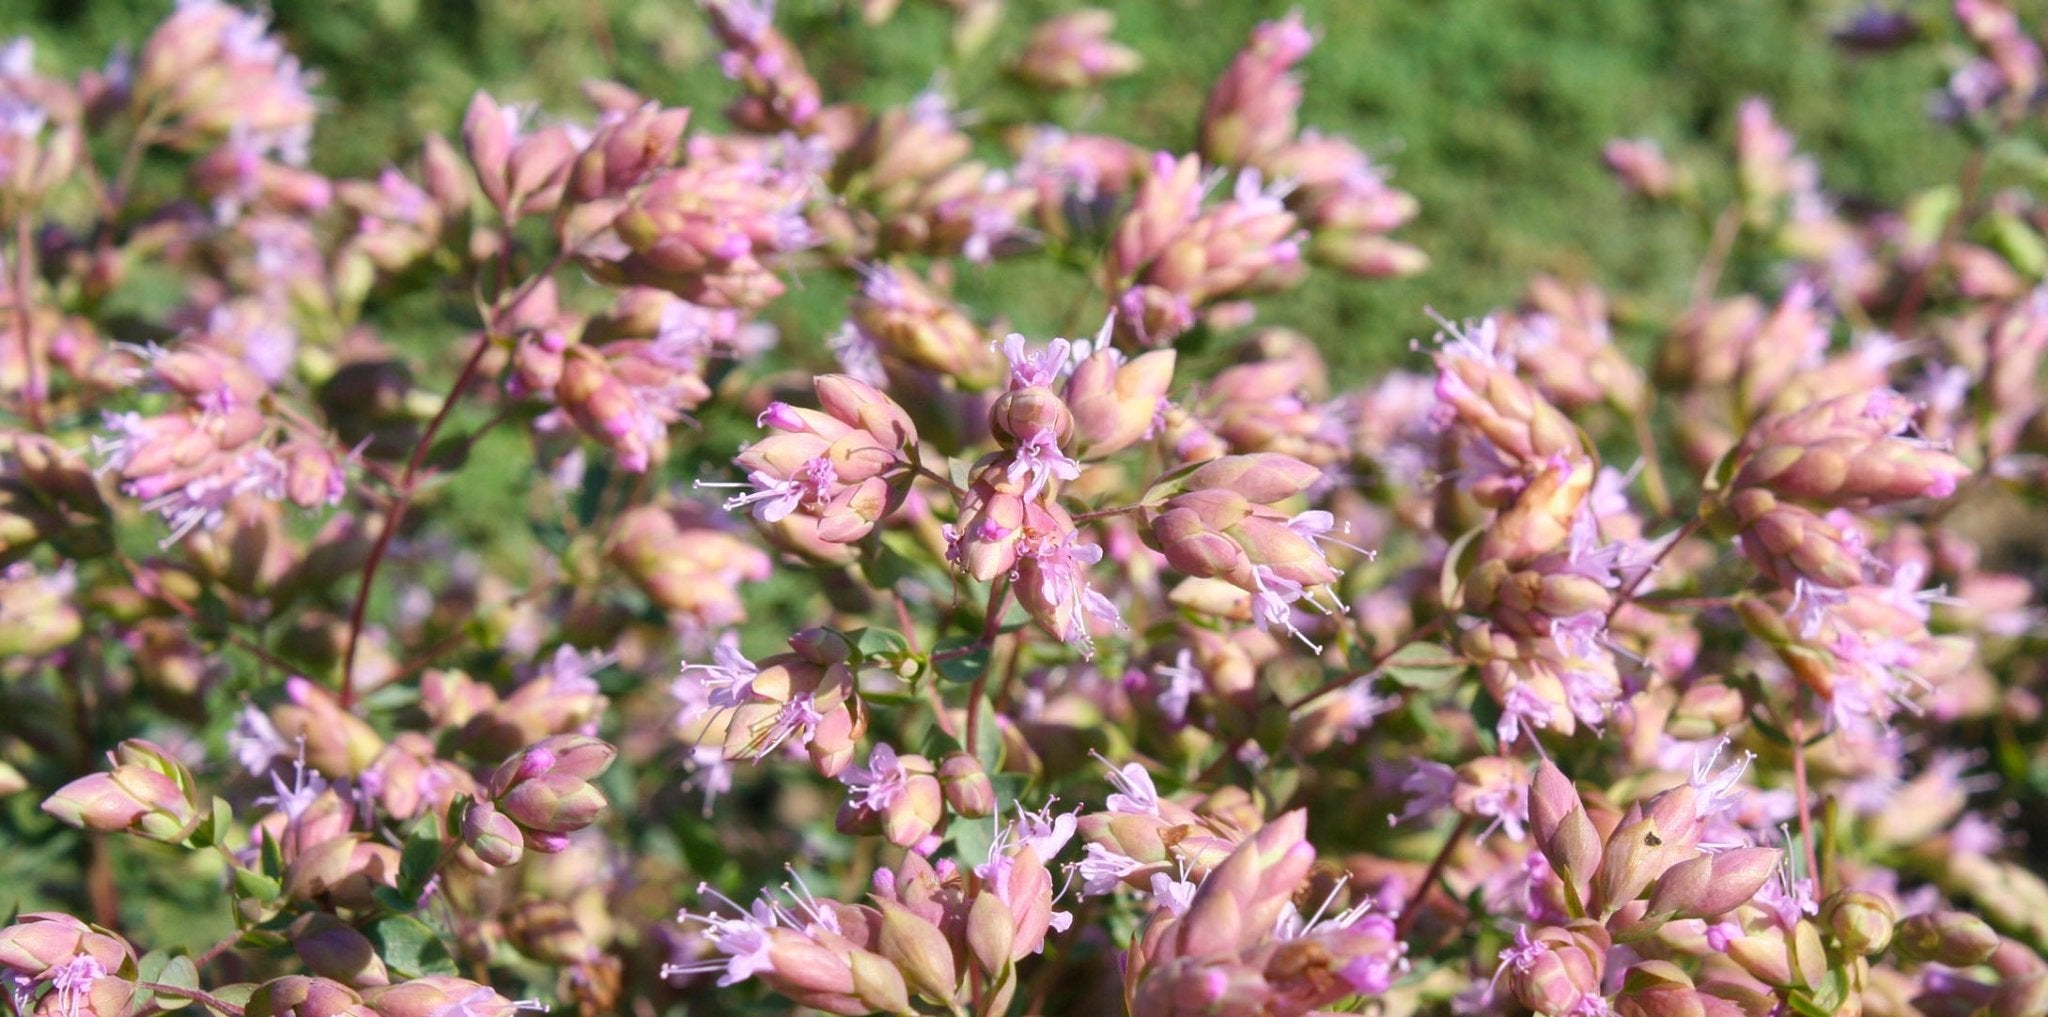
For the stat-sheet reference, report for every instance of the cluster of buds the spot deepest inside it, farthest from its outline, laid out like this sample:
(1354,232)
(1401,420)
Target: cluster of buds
(545,793)
(822,479)
(1274,401)
(780,94)
(929,933)
(1170,256)
(915,190)
(1219,522)
(687,565)
(213,69)
(62,967)
(754,708)
(1796,468)
(710,231)
(1337,192)
(40,136)
(1011,523)
(1074,51)
(1237,943)
(909,327)
(1152,843)
(193,462)
(147,793)
(1655,848)
(399,222)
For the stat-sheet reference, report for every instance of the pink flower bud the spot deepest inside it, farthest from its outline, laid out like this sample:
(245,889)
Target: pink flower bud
(301,996)
(919,950)
(1074,51)
(624,151)
(967,787)
(332,948)
(435,995)
(487,135)
(492,835)
(1564,833)
(1954,938)
(1640,166)
(1712,885)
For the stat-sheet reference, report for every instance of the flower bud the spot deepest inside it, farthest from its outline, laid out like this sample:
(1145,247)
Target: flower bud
(624,151)
(1861,922)
(1021,413)
(1564,833)
(919,950)
(545,788)
(1564,969)
(492,835)
(991,933)
(435,995)
(969,792)
(1116,403)
(1074,51)
(147,793)
(332,948)
(1712,885)
(301,996)
(1953,938)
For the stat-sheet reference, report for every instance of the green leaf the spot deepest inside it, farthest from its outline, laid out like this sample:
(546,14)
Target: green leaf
(256,886)
(235,995)
(416,864)
(887,568)
(390,899)
(988,736)
(1423,666)
(971,839)
(879,642)
(214,828)
(410,948)
(180,972)
(273,858)
(963,667)
(163,968)
(1485,721)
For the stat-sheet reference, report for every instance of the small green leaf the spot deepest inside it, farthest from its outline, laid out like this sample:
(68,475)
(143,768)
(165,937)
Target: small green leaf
(416,865)
(391,900)
(1423,666)
(256,886)
(273,857)
(179,972)
(886,568)
(410,948)
(879,642)
(971,839)
(234,995)
(963,667)
(988,736)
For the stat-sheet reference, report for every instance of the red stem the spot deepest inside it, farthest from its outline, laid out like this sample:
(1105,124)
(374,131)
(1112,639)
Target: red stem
(1436,871)
(408,482)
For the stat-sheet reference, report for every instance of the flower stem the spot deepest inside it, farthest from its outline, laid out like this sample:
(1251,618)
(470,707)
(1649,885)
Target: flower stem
(408,482)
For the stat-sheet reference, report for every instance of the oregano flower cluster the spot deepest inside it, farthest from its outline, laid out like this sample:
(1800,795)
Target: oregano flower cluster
(623,641)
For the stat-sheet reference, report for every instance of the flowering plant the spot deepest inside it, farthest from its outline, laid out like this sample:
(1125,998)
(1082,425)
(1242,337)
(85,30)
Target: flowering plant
(928,667)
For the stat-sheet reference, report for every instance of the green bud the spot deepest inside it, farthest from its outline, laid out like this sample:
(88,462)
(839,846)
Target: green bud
(1861,922)
(1952,938)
